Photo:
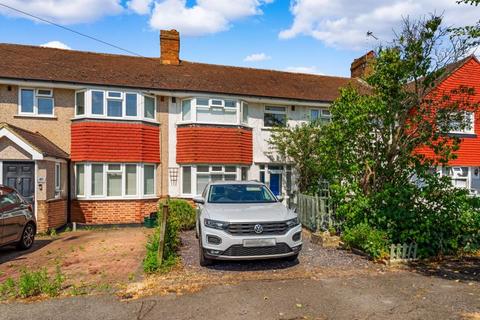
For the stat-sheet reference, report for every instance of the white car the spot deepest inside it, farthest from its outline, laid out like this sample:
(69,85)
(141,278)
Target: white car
(240,220)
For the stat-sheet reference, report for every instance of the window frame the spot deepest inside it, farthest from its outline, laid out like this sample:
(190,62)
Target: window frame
(284,112)
(107,96)
(194,173)
(321,115)
(139,180)
(58,179)
(236,111)
(36,97)
(472,124)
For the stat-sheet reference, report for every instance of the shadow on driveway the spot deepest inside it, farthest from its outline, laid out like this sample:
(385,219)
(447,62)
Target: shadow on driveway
(11,253)
(462,269)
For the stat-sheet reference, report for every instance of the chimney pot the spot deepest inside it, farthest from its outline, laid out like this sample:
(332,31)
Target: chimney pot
(169,47)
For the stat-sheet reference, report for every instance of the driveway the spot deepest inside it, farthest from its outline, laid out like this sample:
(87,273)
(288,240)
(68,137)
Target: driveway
(402,295)
(98,259)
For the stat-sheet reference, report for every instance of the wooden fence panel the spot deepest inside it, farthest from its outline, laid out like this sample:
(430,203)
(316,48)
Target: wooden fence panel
(315,213)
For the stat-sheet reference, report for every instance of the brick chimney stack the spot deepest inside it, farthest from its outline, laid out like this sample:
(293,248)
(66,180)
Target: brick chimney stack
(362,67)
(169,47)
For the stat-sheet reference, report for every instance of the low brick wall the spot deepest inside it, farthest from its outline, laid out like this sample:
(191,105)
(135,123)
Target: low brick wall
(112,211)
(51,214)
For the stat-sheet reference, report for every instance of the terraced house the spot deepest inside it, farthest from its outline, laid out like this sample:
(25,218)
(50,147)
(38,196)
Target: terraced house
(100,138)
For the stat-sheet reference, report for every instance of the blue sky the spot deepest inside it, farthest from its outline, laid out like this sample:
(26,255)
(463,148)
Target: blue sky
(318,36)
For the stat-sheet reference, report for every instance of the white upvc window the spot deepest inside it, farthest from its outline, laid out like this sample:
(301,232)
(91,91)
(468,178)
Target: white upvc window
(36,102)
(115,104)
(196,177)
(213,110)
(459,175)
(469,128)
(115,180)
(321,115)
(275,116)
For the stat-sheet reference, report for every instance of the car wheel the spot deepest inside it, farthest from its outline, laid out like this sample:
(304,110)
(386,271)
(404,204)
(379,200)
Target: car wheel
(28,236)
(204,261)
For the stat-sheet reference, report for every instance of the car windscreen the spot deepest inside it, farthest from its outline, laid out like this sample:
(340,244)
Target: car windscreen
(240,193)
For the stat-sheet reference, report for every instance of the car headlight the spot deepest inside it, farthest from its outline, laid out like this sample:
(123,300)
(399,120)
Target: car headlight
(292,223)
(215,224)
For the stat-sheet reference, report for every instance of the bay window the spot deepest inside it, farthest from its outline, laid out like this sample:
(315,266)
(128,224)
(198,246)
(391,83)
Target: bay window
(115,180)
(149,107)
(196,178)
(36,102)
(213,110)
(115,105)
(149,179)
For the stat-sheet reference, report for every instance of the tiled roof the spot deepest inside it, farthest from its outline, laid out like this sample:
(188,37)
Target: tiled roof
(37,141)
(67,66)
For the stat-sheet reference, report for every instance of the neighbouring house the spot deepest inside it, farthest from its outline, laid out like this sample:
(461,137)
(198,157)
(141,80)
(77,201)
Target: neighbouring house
(100,138)
(465,169)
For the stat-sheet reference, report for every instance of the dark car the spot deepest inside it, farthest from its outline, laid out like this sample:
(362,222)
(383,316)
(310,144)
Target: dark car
(17,221)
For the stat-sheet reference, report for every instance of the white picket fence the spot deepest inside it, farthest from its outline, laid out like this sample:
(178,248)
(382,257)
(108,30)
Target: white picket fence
(315,213)
(403,252)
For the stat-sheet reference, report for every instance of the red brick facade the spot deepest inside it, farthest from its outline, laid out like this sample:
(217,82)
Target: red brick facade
(205,144)
(115,142)
(112,211)
(51,214)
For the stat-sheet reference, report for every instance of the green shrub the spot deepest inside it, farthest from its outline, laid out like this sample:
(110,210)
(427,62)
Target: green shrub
(371,241)
(183,212)
(181,217)
(33,283)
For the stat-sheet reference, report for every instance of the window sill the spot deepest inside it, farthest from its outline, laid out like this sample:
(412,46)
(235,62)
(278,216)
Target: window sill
(116,198)
(214,124)
(35,116)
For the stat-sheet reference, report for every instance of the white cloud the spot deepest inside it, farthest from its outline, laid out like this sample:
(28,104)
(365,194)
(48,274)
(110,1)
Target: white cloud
(140,6)
(308,69)
(256,57)
(344,23)
(56,44)
(63,11)
(204,17)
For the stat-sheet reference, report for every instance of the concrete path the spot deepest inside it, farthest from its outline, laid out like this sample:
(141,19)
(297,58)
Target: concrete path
(393,295)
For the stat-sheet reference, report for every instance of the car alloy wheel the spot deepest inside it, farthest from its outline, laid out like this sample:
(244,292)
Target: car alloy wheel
(28,236)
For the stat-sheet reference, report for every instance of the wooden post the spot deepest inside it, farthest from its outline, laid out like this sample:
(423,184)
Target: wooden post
(163,227)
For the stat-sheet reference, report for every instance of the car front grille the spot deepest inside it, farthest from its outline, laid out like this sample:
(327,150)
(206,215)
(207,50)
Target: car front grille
(239,250)
(269,228)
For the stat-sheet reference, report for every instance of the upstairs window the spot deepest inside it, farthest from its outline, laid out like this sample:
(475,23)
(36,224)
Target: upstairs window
(275,117)
(80,103)
(36,102)
(206,110)
(115,104)
(149,107)
(463,127)
(321,115)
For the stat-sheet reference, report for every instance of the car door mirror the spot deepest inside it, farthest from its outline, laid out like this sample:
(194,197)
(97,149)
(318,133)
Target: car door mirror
(199,200)
(280,198)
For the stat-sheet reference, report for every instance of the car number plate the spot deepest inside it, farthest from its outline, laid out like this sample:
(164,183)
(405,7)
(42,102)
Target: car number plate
(259,242)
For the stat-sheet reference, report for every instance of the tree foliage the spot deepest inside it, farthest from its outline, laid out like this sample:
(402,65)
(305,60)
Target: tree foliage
(383,142)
